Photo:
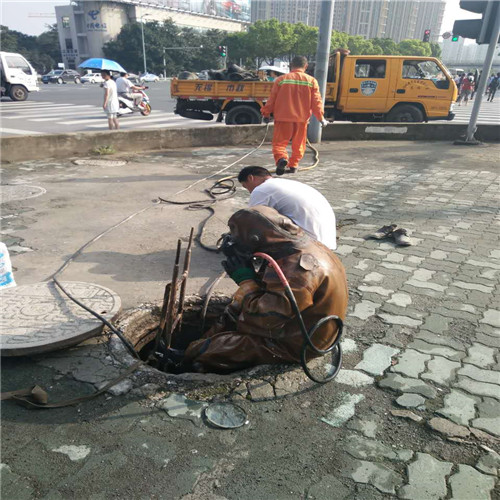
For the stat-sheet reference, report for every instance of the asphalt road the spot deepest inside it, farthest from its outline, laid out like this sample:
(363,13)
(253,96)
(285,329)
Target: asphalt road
(77,108)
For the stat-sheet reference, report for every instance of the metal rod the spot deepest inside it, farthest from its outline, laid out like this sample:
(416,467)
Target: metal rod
(490,54)
(185,273)
(163,316)
(322,59)
(167,333)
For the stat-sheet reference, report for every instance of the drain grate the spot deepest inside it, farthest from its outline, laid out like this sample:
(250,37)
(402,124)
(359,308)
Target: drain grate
(91,162)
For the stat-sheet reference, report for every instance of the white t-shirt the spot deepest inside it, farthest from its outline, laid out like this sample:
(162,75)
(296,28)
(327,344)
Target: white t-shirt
(306,206)
(113,105)
(123,85)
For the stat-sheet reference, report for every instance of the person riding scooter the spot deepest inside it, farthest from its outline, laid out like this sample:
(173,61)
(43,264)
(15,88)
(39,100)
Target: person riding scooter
(259,325)
(126,89)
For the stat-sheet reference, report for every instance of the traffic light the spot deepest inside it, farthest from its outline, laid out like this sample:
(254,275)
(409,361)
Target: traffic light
(427,35)
(455,38)
(477,29)
(222,50)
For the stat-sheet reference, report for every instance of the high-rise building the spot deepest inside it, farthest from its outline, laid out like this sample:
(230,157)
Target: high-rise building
(290,11)
(367,18)
(396,19)
(429,17)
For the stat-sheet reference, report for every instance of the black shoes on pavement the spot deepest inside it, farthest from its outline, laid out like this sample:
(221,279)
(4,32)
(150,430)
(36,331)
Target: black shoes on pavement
(281,164)
(400,236)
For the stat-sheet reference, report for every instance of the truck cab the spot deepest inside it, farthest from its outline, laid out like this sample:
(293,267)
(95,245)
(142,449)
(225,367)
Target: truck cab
(392,89)
(18,77)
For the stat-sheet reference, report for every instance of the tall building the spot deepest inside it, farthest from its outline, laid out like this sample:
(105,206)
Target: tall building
(396,19)
(367,18)
(429,17)
(290,11)
(85,26)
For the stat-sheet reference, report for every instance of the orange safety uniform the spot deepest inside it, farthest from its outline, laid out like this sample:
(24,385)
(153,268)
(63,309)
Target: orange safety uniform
(294,97)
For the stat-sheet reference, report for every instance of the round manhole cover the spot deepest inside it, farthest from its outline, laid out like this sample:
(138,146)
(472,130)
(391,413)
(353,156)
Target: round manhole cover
(19,192)
(100,163)
(40,318)
(226,415)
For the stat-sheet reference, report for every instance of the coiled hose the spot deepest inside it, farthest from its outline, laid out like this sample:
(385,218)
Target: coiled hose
(308,335)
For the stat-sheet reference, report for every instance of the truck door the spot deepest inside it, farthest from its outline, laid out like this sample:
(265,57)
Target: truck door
(367,86)
(424,81)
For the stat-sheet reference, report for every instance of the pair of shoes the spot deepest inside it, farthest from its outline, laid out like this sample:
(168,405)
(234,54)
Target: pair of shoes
(281,164)
(400,235)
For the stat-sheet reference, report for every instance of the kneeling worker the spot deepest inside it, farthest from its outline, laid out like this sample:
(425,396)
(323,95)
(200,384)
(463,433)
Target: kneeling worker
(259,325)
(306,206)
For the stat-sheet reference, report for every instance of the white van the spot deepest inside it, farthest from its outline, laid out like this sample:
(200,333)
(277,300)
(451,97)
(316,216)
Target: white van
(17,76)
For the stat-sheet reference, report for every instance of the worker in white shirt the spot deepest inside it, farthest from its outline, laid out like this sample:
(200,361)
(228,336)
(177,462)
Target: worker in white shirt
(306,206)
(126,89)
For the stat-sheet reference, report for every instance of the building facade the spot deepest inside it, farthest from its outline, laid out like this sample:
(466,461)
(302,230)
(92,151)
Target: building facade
(396,19)
(290,11)
(367,18)
(84,27)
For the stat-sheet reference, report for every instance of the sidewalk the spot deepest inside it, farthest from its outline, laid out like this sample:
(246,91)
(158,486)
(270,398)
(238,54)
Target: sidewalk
(414,414)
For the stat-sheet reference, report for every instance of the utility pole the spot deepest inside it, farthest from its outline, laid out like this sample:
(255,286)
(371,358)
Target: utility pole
(490,54)
(322,59)
(143,44)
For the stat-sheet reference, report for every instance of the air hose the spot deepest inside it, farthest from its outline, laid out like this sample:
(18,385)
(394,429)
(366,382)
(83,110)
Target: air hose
(308,334)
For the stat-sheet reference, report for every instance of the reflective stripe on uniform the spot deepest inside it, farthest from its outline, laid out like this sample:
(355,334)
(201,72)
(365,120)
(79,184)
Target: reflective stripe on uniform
(295,82)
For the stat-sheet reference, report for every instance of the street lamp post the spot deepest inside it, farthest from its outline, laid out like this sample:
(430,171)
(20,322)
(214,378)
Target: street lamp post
(143,44)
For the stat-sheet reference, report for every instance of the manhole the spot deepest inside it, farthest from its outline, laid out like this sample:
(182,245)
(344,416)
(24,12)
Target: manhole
(94,162)
(40,318)
(258,383)
(19,192)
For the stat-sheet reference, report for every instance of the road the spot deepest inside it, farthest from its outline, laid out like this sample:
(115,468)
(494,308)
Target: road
(77,108)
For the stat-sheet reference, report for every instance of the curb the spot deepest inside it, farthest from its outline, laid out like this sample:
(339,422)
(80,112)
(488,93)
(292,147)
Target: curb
(33,147)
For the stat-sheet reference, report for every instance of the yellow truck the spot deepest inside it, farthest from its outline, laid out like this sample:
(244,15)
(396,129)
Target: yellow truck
(359,88)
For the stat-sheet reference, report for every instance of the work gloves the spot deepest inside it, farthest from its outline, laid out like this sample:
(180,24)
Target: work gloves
(324,123)
(239,268)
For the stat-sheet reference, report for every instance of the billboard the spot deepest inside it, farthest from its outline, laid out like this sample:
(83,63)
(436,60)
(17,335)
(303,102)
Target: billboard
(232,9)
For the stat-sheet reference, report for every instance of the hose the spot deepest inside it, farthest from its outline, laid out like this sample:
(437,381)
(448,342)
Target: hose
(308,343)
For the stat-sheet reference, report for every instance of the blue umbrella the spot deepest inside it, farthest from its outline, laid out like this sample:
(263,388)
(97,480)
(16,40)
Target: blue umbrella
(100,63)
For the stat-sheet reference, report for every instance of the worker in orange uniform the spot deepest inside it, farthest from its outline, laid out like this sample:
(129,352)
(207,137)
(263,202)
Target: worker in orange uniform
(294,97)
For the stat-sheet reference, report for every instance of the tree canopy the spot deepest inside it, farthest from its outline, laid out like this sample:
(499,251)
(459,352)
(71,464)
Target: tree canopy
(42,51)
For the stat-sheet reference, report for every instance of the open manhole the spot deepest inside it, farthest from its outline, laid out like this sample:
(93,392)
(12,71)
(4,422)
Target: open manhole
(258,383)
(95,162)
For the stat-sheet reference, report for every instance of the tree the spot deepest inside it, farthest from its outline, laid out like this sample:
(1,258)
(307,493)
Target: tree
(270,39)
(305,40)
(387,46)
(414,48)
(359,46)
(435,49)
(339,40)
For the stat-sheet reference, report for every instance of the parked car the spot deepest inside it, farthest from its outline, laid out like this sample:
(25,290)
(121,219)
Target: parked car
(150,77)
(92,78)
(62,76)
(134,78)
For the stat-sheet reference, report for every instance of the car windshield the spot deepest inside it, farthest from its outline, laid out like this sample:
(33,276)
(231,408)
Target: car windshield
(56,72)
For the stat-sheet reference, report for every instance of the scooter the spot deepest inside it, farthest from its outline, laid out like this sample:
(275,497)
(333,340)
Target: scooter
(127,105)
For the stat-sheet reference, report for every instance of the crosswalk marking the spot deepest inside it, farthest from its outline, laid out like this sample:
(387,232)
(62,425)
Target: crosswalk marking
(15,131)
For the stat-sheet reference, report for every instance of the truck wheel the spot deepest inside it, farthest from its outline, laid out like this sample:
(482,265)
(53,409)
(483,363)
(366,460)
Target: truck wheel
(18,93)
(243,115)
(405,113)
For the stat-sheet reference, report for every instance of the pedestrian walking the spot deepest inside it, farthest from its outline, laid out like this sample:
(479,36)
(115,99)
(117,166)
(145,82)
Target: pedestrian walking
(294,98)
(466,89)
(493,87)
(110,104)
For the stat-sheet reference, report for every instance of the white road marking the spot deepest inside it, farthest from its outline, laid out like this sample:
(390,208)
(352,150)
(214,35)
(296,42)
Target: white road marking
(15,131)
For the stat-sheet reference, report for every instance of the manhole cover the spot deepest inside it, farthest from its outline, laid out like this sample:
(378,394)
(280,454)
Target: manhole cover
(226,415)
(100,163)
(40,318)
(19,192)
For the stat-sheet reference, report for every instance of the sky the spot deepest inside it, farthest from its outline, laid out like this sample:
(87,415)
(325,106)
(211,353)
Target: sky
(15,14)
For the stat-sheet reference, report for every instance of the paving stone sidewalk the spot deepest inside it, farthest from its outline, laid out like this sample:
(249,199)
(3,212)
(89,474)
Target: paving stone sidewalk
(414,414)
